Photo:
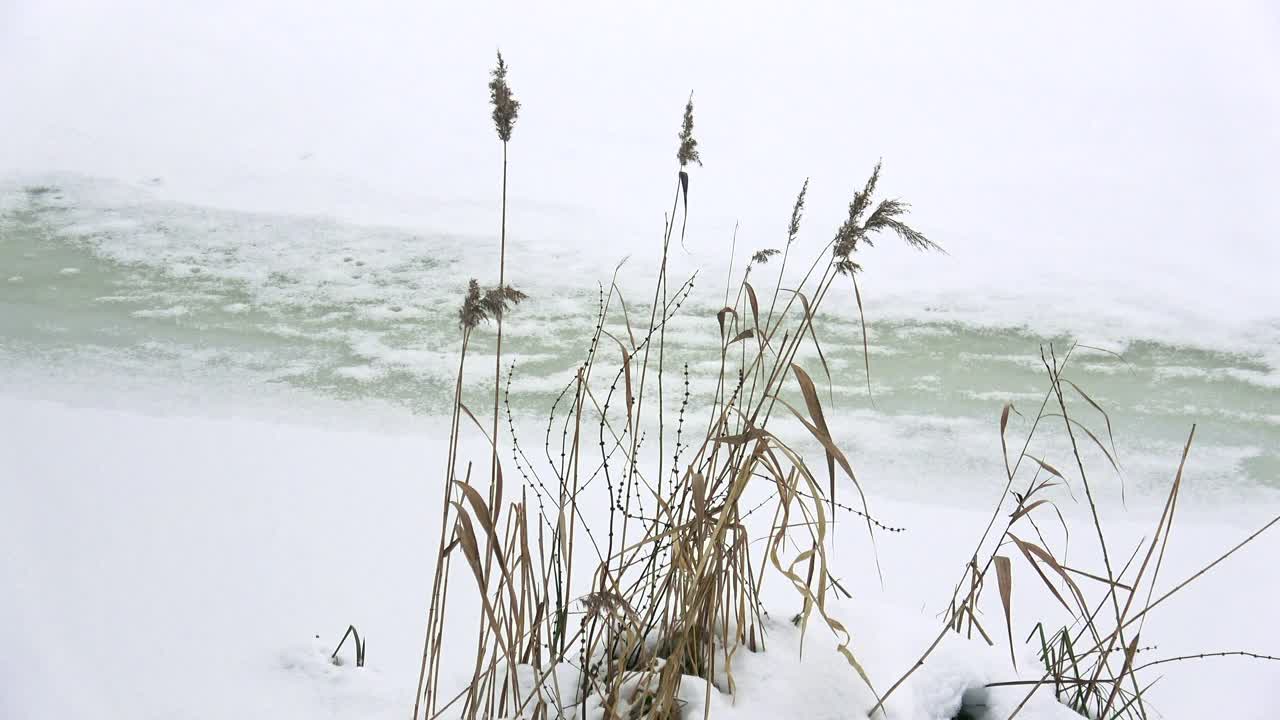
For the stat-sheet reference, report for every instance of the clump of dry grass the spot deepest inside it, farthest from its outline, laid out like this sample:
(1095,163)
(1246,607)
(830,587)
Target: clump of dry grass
(675,585)
(1091,664)
(613,612)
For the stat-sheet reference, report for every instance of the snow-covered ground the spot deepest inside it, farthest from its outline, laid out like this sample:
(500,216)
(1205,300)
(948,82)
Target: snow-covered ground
(160,565)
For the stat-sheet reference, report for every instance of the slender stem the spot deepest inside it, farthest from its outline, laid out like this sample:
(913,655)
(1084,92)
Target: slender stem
(435,614)
(497,389)
(497,355)
(644,368)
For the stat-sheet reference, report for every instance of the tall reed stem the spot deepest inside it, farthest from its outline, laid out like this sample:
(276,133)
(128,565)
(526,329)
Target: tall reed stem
(427,676)
(497,355)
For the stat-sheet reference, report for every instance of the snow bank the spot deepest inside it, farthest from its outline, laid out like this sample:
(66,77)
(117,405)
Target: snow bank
(183,567)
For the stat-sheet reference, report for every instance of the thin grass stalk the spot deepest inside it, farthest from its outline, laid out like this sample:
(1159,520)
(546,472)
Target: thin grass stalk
(428,676)
(1055,375)
(954,617)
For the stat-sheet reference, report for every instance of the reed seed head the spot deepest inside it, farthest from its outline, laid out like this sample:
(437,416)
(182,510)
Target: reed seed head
(505,105)
(847,237)
(885,218)
(499,299)
(688,152)
(862,199)
(471,312)
(797,211)
(762,256)
(847,267)
(480,305)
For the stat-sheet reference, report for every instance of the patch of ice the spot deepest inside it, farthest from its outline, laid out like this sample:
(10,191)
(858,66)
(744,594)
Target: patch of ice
(361,373)
(169,312)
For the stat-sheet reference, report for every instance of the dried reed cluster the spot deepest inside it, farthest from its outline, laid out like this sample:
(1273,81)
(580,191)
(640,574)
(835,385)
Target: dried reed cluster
(611,613)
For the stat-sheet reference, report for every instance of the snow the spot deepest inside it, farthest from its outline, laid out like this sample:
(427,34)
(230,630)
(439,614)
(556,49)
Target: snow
(171,565)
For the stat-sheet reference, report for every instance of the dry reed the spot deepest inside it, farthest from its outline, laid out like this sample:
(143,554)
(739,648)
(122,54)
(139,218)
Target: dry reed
(672,584)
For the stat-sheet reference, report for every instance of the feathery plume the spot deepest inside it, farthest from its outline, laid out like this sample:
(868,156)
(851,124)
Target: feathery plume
(688,152)
(797,211)
(498,300)
(472,311)
(885,218)
(505,105)
(862,200)
(480,305)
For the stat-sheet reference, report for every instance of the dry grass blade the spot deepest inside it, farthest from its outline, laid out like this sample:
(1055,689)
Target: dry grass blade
(1110,437)
(801,585)
(470,549)
(808,314)
(741,438)
(1004,445)
(1038,487)
(1045,556)
(477,503)
(1096,406)
(1114,465)
(1097,578)
(700,495)
(720,316)
(626,315)
(1052,471)
(1047,467)
(1031,560)
(862,323)
(1024,510)
(629,397)
(755,305)
(820,421)
(466,537)
(1004,578)
(478,507)
(479,427)
(830,446)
